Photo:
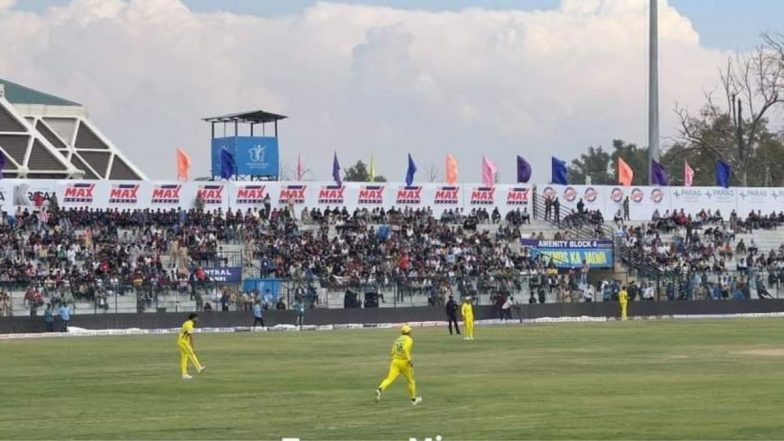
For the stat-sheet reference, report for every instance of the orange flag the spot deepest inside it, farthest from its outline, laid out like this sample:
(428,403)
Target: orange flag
(625,173)
(451,170)
(183,165)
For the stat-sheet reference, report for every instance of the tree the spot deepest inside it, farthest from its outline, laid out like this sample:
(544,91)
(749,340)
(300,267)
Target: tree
(359,173)
(594,165)
(602,167)
(431,173)
(751,86)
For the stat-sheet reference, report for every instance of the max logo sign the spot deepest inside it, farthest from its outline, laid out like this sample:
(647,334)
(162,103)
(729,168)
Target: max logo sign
(447,195)
(483,196)
(517,196)
(409,195)
(293,193)
(79,193)
(166,194)
(331,194)
(251,194)
(210,194)
(124,194)
(371,194)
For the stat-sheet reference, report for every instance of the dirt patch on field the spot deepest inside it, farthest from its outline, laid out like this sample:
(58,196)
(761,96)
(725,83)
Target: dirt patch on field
(778,352)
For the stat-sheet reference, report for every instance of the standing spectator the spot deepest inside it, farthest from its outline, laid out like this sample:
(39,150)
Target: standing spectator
(258,318)
(65,316)
(557,211)
(224,301)
(451,314)
(506,308)
(49,318)
(299,306)
(281,305)
(626,208)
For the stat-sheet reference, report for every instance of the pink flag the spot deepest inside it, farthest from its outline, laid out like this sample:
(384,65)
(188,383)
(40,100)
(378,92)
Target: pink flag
(299,168)
(688,174)
(488,171)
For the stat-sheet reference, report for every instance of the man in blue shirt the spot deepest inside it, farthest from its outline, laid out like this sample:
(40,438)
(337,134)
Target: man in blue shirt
(257,316)
(49,318)
(299,306)
(65,316)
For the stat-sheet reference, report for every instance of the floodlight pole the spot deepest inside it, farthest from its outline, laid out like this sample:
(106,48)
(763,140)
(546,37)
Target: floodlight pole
(653,88)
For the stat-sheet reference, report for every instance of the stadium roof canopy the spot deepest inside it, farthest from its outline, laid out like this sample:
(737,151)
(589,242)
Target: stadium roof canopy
(18,94)
(252,117)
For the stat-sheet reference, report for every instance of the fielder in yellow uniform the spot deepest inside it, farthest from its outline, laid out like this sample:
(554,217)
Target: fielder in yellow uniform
(467,310)
(623,299)
(185,342)
(401,364)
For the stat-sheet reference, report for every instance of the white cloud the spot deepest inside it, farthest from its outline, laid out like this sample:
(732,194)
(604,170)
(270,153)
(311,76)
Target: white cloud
(362,78)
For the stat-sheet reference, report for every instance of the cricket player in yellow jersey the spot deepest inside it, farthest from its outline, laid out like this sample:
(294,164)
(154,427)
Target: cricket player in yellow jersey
(467,310)
(623,299)
(185,342)
(401,364)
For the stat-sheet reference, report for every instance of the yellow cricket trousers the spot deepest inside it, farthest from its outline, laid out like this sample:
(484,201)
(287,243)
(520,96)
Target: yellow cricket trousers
(396,368)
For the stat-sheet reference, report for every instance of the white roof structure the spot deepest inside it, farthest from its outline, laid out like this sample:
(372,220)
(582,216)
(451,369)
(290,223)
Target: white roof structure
(46,137)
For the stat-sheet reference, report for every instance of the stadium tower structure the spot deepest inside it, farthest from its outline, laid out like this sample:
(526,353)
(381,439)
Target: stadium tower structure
(46,137)
(256,155)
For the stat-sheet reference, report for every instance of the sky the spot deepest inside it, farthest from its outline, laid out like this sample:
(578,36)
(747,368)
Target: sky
(429,77)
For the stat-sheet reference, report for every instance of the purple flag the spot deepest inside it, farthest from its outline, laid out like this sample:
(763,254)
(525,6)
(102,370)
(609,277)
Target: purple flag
(659,174)
(336,170)
(523,170)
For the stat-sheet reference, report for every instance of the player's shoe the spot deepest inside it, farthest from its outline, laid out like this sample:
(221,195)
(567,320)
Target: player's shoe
(187,377)
(415,401)
(378,395)
(202,369)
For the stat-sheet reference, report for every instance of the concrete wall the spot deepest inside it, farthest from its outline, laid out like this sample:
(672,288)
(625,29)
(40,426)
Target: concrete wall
(391,315)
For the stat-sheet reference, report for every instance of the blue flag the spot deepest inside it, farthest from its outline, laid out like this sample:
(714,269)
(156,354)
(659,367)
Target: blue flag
(659,174)
(411,171)
(723,173)
(336,170)
(228,166)
(2,164)
(559,172)
(523,170)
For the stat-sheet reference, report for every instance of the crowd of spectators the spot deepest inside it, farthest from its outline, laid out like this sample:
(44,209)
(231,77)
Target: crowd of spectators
(61,255)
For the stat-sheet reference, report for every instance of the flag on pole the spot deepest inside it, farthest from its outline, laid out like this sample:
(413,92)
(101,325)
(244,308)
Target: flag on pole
(228,166)
(372,169)
(723,173)
(410,171)
(183,165)
(688,174)
(336,170)
(299,167)
(488,171)
(659,174)
(558,171)
(451,170)
(625,173)
(523,170)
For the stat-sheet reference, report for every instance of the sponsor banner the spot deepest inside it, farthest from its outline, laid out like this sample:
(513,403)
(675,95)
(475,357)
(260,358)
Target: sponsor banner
(571,253)
(292,194)
(643,201)
(80,193)
(166,195)
(692,200)
(371,196)
(764,200)
(244,195)
(482,196)
(226,274)
(253,155)
(408,196)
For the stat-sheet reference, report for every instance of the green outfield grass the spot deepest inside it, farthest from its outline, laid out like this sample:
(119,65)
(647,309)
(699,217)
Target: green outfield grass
(618,380)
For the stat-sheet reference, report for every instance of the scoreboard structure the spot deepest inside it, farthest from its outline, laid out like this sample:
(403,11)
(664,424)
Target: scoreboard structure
(256,156)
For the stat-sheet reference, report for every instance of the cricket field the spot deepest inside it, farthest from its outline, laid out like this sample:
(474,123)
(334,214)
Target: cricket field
(670,379)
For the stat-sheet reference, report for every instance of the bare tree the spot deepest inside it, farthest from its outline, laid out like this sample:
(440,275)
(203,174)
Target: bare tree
(431,173)
(751,85)
(289,172)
